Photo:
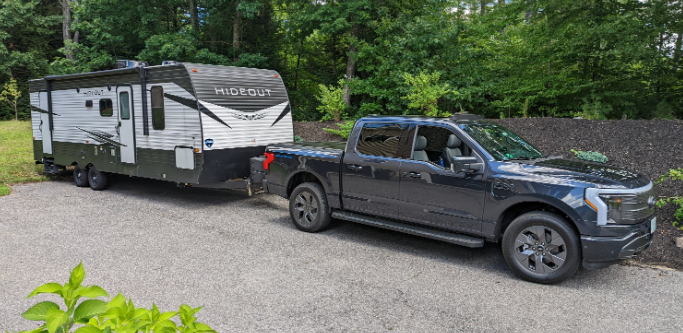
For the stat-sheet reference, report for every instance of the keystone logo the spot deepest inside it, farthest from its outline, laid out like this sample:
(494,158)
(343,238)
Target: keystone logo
(208,142)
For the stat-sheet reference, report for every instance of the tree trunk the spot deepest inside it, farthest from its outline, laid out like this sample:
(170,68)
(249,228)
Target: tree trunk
(16,111)
(501,2)
(66,28)
(351,63)
(194,17)
(213,37)
(298,62)
(483,7)
(677,51)
(236,32)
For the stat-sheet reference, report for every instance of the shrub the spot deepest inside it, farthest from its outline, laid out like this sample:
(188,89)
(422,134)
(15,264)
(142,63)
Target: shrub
(592,156)
(424,93)
(298,139)
(332,101)
(97,316)
(674,174)
(344,129)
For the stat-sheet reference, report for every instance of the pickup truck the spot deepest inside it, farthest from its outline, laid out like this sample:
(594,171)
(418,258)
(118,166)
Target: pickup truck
(466,180)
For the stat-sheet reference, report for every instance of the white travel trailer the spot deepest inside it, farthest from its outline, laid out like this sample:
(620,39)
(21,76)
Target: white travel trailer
(188,123)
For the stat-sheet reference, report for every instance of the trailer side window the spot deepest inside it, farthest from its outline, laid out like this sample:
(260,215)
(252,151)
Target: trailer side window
(158,118)
(124,105)
(106,108)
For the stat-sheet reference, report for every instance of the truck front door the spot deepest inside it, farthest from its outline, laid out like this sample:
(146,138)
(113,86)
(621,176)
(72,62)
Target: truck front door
(433,194)
(370,171)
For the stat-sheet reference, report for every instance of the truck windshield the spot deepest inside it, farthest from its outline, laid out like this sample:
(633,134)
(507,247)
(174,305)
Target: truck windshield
(500,142)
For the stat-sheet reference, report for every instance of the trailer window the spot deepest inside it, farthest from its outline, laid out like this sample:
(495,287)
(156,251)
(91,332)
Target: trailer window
(106,109)
(158,118)
(124,105)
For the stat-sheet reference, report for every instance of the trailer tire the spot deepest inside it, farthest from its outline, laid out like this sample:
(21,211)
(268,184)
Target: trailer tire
(308,208)
(81,177)
(97,179)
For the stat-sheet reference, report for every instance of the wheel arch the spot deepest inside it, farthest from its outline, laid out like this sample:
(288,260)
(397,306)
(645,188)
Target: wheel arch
(304,176)
(519,208)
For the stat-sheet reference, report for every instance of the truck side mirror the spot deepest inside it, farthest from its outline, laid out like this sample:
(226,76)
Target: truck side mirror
(466,164)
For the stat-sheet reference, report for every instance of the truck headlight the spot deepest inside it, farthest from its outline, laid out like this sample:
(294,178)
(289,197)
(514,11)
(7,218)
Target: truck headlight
(621,206)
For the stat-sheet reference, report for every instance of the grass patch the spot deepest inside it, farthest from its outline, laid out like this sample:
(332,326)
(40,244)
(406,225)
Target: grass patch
(16,155)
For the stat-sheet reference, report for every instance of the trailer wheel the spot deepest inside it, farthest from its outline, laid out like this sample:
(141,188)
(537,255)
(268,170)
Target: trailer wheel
(97,179)
(81,176)
(308,207)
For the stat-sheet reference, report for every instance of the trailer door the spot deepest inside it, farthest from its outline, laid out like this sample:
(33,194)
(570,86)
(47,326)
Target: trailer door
(126,124)
(45,123)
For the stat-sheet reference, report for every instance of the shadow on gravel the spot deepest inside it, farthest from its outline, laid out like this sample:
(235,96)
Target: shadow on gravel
(488,258)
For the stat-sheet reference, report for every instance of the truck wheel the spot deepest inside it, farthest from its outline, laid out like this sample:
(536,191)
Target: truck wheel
(81,176)
(97,179)
(542,247)
(308,207)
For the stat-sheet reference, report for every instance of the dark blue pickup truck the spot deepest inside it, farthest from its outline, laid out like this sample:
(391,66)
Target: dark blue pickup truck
(465,180)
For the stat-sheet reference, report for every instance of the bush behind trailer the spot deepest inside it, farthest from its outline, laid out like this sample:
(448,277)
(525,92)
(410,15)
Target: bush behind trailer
(186,123)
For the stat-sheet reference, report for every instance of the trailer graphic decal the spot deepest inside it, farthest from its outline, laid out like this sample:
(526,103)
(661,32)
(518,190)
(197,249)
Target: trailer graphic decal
(102,137)
(196,106)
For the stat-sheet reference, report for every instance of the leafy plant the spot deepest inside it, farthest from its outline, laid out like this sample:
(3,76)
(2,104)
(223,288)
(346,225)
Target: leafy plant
(424,93)
(298,139)
(592,156)
(344,129)
(11,94)
(331,101)
(673,174)
(96,316)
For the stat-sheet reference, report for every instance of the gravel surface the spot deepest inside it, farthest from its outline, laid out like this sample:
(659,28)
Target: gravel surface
(242,259)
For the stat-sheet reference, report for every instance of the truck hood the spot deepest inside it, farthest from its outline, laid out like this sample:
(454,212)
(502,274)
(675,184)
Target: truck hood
(600,175)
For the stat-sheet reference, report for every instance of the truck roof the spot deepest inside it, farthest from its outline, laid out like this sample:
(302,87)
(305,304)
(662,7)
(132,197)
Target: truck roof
(457,118)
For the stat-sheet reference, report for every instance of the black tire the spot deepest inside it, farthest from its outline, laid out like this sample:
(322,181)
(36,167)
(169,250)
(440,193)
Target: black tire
(558,249)
(308,208)
(97,179)
(81,176)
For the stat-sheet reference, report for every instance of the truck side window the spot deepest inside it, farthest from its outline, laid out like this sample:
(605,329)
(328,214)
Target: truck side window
(437,142)
(379,140)
(106,108)
(158,117)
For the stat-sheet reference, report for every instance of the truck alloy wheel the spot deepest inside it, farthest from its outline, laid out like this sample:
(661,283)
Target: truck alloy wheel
(542,247)
(308,207)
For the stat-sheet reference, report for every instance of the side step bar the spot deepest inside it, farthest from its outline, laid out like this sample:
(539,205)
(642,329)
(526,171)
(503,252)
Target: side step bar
(449,237)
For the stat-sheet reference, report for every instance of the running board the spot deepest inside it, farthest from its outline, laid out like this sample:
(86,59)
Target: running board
(448,237)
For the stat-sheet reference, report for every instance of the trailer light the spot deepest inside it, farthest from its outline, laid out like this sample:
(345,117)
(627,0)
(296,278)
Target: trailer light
(269,158)
(34,138)
(276,75)
(196,150)
(194,70)
(86,141)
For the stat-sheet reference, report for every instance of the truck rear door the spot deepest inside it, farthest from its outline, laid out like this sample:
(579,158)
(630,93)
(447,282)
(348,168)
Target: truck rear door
(370,170)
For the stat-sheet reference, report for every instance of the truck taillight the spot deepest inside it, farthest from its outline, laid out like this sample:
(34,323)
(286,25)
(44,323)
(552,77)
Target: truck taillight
(269,158)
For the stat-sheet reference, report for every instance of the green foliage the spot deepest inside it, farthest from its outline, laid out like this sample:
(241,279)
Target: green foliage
(11,95)
(331,103)
(93,315)
(344,130)
(424,93)
(590,156)
(16,155)
(298,139)
(674,174)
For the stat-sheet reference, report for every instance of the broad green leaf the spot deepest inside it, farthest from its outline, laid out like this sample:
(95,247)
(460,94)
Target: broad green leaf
(165,329)
(77,276)
(204,328)
(165,323)
(88,309)
(114,313)
(39,311)
(167,315)
(117,302)
(92,292)
(54,319)
(88,329)
(48,288)
(137,313)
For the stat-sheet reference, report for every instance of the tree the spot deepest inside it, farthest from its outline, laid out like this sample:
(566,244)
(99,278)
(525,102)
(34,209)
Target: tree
(11,94)
(424,93)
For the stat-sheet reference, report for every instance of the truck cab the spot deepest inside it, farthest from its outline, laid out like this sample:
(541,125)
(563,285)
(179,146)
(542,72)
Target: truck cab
(466,180)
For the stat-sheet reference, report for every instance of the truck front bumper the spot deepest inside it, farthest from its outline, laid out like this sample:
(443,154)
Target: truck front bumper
(600,252)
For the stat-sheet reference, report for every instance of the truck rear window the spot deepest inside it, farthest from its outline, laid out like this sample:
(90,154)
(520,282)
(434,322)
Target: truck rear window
(379,140)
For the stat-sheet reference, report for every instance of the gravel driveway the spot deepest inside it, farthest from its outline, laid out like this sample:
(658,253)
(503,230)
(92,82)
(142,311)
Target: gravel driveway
(241,258)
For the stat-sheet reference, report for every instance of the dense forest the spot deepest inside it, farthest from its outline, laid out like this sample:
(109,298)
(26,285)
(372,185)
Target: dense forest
(599,59)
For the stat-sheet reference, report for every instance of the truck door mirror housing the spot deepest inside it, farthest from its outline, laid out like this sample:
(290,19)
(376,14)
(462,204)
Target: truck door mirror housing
(466,164)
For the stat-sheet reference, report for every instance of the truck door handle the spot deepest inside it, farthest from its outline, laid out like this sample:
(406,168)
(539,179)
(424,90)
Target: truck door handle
(411,174)
(355,167)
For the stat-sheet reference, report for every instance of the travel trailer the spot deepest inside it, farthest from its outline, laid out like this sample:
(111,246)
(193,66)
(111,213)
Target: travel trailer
(193,124)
